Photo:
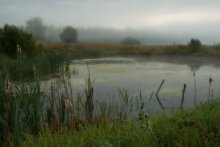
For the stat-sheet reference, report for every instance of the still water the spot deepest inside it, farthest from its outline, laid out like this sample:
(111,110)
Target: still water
(145,75)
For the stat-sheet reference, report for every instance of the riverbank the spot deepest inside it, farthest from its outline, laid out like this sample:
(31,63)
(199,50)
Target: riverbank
(85,50)
(194,127)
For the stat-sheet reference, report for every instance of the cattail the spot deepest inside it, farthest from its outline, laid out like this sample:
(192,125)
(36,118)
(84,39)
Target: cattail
(68,104)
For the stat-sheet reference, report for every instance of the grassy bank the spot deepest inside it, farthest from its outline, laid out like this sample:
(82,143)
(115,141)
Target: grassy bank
(195,127)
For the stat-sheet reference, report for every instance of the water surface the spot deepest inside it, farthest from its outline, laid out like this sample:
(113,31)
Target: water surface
(146,74)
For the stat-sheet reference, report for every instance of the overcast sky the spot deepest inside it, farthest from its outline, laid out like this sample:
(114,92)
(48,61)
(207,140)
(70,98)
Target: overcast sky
(192,17)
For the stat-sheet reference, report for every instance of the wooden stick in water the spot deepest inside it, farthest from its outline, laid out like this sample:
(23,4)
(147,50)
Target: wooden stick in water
(183,95)
(158,99)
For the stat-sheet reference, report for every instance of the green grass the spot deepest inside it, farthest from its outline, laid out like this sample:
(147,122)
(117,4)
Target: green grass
(194,127)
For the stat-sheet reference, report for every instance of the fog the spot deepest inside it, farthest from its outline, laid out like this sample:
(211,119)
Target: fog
(150,21)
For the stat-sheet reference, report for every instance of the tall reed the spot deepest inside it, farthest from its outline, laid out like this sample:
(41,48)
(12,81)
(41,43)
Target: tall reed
(89,105)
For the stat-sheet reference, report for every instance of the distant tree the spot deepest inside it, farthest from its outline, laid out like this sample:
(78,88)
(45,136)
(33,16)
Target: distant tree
(194,44)
(69,35)
(15,40)
(36,27)
(52,34)
(130,41)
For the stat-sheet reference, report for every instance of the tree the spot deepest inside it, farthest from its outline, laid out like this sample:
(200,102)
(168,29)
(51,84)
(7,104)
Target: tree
(15,40)
(69,35)
(130,41)
(36,27)
(194,44)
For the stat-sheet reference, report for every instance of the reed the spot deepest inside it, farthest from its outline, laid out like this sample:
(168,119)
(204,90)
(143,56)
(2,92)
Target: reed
(188,128)
(89,105)
(21,111)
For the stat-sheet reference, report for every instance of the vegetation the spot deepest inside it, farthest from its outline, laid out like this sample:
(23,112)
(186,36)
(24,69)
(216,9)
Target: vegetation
(130,41)
(30,116)
(20,55)
(84,50)
(36,27)
(69,35)
(22,104)
(14,40)
(196,127)
(194,45)
(33,116)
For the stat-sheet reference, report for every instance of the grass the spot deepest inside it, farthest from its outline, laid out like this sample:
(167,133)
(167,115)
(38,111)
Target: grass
(194,127)
(24,66)
(22,103)
(20,111)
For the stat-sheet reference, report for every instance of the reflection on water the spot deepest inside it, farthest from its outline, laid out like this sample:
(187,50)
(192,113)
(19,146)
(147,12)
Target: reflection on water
(145,75)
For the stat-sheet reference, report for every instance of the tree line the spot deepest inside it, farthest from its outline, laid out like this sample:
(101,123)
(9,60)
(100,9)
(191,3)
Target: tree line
(14,40)
(38,29)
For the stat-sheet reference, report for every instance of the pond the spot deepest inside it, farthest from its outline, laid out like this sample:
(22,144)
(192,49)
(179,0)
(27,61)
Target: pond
(146,74)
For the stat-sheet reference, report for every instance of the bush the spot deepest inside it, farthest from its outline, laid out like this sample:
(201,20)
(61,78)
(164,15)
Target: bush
(11,37)
(194,45)
(69,35)
(130,41)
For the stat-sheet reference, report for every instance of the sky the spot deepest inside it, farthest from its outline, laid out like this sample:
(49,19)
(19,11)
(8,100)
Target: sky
(199,18)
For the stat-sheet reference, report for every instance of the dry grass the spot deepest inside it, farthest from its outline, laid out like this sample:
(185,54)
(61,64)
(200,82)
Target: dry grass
(84,50)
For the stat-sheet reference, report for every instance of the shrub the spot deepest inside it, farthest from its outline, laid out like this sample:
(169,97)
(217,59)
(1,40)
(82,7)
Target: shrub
(130,41)
(69,35)
(11,37)
(194,45)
